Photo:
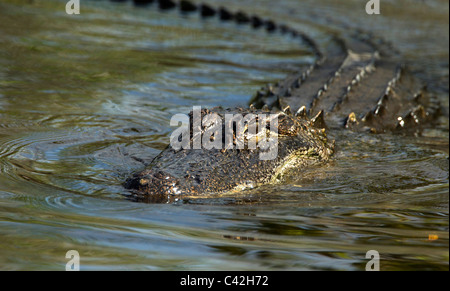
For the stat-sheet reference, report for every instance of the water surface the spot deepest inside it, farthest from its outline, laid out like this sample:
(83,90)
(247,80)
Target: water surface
(86,100)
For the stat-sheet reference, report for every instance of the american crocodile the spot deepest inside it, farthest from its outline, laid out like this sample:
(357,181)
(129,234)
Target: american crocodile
(357,83)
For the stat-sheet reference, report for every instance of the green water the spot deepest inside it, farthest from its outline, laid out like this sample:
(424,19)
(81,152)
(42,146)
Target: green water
(85,100)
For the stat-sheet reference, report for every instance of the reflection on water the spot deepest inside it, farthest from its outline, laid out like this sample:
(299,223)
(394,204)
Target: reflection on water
(86,100)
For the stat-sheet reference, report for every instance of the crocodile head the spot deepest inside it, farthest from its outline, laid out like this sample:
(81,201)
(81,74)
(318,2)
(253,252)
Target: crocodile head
(240,148)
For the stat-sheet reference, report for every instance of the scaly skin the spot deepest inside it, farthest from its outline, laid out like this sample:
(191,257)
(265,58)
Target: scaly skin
(357,83)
